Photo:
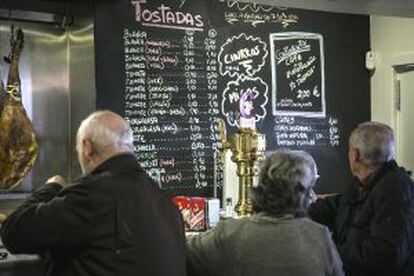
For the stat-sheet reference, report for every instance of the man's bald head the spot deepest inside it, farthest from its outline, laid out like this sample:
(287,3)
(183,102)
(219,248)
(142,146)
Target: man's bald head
(106,133)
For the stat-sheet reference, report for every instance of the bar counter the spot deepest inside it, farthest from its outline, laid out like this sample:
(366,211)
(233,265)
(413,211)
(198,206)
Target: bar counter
(20,265)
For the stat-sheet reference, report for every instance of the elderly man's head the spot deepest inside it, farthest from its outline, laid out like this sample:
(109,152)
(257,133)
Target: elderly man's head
(285,183)
(371,145)
(102,135)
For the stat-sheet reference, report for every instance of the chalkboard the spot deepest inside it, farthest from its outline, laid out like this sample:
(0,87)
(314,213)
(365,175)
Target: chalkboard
(174,68)
(297,60)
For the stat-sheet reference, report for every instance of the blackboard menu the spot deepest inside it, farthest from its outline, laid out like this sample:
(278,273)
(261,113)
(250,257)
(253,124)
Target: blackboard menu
(172,69)
(298,73)
(172,105)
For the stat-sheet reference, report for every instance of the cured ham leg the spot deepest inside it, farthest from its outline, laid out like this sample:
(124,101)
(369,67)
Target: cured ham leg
(18,146)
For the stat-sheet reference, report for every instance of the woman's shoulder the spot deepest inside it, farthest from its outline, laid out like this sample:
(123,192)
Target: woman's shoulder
(310,224)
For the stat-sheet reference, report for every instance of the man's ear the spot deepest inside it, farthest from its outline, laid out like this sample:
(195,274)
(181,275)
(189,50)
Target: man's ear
(87,148)
(356,155)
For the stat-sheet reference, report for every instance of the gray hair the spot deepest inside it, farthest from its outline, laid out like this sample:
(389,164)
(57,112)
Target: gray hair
(375,141)
(285,183)
(107,131)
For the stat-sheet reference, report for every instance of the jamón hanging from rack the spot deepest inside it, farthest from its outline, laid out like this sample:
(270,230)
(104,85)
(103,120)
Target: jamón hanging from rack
(18,146)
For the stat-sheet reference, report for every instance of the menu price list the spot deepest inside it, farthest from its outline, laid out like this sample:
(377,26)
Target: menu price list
(172,106)
(306,132)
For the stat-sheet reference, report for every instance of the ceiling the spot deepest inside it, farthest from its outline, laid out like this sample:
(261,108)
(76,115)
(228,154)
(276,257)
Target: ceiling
(402,8)
(35,8)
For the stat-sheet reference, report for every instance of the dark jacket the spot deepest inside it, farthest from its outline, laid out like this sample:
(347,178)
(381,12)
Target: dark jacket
(115,221)
(373,229)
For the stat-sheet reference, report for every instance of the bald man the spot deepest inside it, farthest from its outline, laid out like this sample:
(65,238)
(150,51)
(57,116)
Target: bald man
(113,221)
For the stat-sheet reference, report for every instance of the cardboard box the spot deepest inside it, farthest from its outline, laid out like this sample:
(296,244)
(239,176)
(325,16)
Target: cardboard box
(183,204)
(198,213)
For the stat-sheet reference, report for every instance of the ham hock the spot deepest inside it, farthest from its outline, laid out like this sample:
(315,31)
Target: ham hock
(18,146)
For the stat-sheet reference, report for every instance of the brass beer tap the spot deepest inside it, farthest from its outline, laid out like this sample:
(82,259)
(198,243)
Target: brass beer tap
(247,148)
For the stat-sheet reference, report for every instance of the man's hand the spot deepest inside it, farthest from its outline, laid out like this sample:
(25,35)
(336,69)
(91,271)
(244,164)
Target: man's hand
(57,179)
(2,217)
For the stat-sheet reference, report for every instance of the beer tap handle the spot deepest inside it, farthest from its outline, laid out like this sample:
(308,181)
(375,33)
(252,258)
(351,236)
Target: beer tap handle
(223,134)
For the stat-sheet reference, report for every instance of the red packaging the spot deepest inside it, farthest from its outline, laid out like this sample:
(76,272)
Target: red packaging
(194,212)
(197,214)
(183,204)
